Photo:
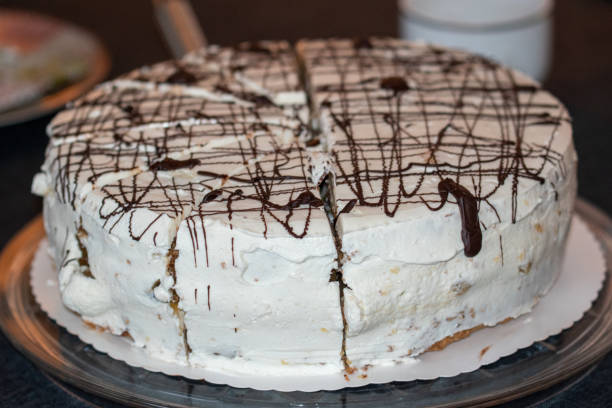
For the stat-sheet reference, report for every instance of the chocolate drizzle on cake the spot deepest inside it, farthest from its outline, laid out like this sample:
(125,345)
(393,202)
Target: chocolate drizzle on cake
(305,198)
(255,47)
(468,208)
(348,207)
(181,76)
(171,164)
(362,42)
(395,84)
(211,196)
(258,100)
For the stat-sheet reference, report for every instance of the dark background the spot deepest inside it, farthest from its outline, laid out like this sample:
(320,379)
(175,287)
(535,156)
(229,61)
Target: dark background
(581,77)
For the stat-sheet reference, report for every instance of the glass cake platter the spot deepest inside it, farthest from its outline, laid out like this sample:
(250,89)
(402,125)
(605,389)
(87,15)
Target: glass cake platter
(532,374)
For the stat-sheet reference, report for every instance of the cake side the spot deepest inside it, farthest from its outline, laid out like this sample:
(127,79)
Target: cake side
(410,306)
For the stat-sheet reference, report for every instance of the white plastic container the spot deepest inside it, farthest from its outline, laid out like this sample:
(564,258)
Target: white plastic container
(517,33)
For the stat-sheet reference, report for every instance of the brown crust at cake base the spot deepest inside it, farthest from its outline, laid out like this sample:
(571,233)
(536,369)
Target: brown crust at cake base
(460,335)
(103,329)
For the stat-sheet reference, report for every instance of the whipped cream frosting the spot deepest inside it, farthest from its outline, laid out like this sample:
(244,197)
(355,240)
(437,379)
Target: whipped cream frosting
(345,203)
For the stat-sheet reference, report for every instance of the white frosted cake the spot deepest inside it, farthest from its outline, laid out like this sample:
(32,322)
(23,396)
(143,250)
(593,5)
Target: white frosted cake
(311,209)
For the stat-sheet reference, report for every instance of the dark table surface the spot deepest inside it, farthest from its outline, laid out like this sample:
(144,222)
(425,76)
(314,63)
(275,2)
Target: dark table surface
(581,77)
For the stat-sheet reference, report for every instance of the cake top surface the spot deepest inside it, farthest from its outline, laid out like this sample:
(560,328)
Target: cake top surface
(229,134)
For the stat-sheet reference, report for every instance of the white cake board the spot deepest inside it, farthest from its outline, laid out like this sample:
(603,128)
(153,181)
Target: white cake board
(582,275)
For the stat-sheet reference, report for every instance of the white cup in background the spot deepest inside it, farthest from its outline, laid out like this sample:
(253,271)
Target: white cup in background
(517,33)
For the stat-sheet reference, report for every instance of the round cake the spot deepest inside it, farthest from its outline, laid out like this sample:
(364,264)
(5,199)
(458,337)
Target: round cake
(316,208)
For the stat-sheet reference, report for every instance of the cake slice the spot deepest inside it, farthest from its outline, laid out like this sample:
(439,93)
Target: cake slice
(454,185)
(180,207)
(255,289)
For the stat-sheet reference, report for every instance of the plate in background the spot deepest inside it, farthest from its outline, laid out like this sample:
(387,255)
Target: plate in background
(44,63)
